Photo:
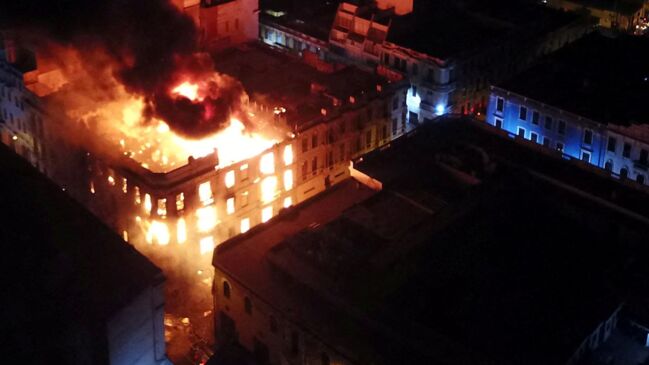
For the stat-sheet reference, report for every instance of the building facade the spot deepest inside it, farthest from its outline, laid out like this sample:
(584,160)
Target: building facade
(620,15)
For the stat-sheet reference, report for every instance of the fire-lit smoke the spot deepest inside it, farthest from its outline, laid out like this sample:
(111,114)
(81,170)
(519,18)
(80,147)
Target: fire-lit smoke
(148,46)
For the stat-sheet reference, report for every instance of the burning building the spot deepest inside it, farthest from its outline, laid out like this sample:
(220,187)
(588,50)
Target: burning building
(168,189)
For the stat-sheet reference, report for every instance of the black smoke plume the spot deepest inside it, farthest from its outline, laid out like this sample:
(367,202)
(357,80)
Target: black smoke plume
(151,44)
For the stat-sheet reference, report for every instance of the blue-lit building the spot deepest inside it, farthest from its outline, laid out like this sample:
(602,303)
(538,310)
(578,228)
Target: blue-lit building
(585,102)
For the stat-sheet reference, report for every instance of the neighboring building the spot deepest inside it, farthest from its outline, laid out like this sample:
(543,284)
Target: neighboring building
(329,119)
(73,291)
(449,52)
(223,23)
(32,130)
(447,264)
(584,103)
(616,14)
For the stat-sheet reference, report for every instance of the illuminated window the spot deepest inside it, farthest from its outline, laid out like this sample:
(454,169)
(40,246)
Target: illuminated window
(111,180)
(125,236)
(288,180)
(147,203)
(229,205)
(288,155)
(268,189)
(206,245)
(162,207)
(158,232)
(92,187)
(245,225)
(229,179)
(124,185)
(267,163)
(266,214)
(288,202)
(137,195)
(181,230)
(205,193)
(180,202)
(244,171)
(206,218)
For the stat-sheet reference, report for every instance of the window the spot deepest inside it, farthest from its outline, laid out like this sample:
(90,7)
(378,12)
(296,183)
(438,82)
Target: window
(562,127)
(608,166)
(229,205)
(521,132)
(305,170)
(273,324)
(305,145)
(500,105)
(226,289)
(244,199)
(247,305)
(546,142)
(535,117)
(295,343)
(243,171)
(314,165)
(368,139)
(588,136)
(314,140)
(324,359)
(585,156)
(624,173)
(626,152)
(229,179)
(499,123)
(644,155)
(611,144)
(559,146)
(245,225)
(534,137)
(522,114)
(640,179)
(548,123)
(415,69)
(395,102)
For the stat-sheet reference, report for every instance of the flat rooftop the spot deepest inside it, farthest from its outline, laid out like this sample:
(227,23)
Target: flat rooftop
(445,264)
(276,79)
(445,29)
(608,87)
(311,17)
(60,264)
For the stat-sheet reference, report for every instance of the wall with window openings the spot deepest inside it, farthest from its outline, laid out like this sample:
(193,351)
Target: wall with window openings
(268,332)
(575,137)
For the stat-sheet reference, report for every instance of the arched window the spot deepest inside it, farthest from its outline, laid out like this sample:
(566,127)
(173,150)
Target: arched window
(247,305)
(273,324)
(226,289)
(609,165)
(324,359)
(624,173)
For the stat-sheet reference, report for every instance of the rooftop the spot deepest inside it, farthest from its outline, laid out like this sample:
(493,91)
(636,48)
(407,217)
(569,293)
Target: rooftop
(581,79)
(60,264)
(279,80)
(449,265)
(626,7)
(444,30)
(311,17)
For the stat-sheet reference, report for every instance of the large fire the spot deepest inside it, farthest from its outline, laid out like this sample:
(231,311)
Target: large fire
(159,149)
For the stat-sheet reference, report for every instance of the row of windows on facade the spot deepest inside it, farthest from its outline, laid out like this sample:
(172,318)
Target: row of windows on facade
(587,135)
(273,325)
(17,100)
(586,155)
(293,43)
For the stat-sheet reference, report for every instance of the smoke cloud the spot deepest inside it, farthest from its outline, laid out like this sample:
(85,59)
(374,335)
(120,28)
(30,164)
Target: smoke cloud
(148,45)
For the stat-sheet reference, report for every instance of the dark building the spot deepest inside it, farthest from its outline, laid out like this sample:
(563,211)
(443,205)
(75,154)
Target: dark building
(476,250)
(585,103)
(73,291)
(450,52)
